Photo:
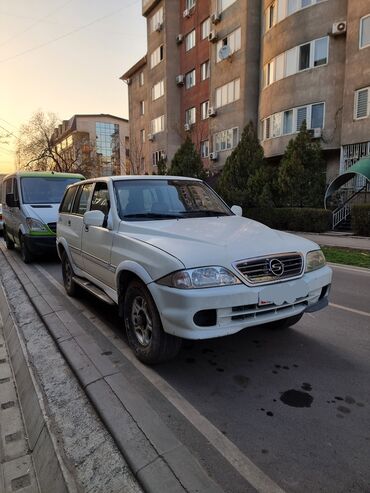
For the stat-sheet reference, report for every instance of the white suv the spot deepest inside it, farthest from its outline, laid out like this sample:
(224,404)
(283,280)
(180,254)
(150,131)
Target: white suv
(180,264)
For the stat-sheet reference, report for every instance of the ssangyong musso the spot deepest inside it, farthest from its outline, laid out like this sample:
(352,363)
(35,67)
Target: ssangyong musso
(180,264)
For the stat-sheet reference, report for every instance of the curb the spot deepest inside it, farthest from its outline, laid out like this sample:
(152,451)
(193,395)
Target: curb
(50,470)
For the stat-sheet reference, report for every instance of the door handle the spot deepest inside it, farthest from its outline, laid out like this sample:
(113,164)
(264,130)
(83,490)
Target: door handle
(86,228)
(69,222)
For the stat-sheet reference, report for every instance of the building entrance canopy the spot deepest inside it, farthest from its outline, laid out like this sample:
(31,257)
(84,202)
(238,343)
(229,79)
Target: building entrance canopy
(361,168)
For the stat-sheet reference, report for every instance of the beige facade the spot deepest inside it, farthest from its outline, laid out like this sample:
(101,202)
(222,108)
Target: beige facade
(293,61)
(95,145)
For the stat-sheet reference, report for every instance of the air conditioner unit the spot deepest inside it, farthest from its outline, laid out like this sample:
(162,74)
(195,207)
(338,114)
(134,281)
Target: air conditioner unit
(212,111)
(179,38)
(151,137)
(316,133)
(213,156)
(339,28)
(187,127)
(215,18)
(159,26)
(186,13)
(180,80)
(213,36)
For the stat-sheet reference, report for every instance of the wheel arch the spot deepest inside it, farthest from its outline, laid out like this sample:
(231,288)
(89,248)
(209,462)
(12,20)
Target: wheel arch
(125,273)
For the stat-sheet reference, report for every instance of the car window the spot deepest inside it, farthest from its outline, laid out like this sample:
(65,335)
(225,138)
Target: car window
(66,204)
(100,198)
(82,199)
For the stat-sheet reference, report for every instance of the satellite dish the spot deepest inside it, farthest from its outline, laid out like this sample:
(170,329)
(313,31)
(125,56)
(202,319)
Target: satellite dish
(224,52)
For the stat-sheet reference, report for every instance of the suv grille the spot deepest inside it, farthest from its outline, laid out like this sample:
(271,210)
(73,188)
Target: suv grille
(53,227)
(272,268)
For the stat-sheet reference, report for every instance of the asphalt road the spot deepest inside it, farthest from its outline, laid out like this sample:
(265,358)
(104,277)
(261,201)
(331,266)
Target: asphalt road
(294,404)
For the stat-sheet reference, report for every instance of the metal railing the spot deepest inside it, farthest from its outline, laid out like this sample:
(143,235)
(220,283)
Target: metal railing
(342,212)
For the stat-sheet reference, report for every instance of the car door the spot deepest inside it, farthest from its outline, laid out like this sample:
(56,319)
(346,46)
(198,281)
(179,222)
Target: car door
(74,222)
(97,240)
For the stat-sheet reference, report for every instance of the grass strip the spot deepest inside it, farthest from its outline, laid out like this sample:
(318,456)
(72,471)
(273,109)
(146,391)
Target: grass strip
(347,256)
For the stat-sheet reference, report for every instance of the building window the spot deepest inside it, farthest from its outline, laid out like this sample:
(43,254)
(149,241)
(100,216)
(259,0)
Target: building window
(232,40)
(204,107)
(142,135)
(158,90)
(190,4)
(190,79)
(157,124)
(226,139)
(309,55)
(156,157)
(108,147)
(141,79)
(280,9)
(156,21)
(142,107)
(190,116)
(362,103)
(190,40)
(224,4)
(270,16)
(290,121)
(205,70)
(365,31)
(205,28)
(228,93)
(204,149)
(157,56)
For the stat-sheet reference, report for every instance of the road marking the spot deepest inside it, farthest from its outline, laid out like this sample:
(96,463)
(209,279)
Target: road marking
(351,269)
(241,463)
(352,310)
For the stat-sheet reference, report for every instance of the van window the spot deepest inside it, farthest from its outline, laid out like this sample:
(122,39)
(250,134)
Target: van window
(82,199)
(100,198)
(66,204)
(44,189)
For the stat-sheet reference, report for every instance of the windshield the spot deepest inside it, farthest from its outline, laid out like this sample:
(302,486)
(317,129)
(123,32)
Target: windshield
(44,189)
(143,200)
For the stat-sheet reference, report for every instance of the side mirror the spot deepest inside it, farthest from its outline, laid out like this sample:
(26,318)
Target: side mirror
(10,200)
(237,210)
(94,218)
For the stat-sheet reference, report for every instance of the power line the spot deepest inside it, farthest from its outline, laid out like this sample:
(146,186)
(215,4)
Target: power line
(6,150)
(73,31)
(8,123)
(8,131)
(35,23)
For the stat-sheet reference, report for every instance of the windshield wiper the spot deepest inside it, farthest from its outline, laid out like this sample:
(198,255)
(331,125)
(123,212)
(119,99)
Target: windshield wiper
(206,212)
(151,215)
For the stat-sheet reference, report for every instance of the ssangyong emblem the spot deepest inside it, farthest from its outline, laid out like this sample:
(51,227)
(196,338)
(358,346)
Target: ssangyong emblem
(276,267)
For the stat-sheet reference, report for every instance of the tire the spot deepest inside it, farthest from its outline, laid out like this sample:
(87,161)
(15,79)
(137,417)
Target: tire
(25,253)
(285,323)
(144,330)
(72,289)
(9,243)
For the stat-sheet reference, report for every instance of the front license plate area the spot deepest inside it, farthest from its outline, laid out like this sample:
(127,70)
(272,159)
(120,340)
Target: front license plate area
(281,293)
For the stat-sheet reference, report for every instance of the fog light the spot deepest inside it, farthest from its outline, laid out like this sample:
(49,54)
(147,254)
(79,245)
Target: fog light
(205,318)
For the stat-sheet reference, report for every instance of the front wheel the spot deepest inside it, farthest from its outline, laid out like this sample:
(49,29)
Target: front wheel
(145,334)
(25,253)
(69,285)
(284,323)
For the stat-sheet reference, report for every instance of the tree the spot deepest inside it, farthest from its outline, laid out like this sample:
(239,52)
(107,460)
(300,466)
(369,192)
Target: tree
(245,178)
(302,172)
(162,166)
(187,162)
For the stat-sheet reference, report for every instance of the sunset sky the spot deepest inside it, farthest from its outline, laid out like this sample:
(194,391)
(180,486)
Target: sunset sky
(66,57)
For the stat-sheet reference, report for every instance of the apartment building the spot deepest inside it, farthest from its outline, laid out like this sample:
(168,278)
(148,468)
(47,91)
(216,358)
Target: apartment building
(97,145)
(219,64)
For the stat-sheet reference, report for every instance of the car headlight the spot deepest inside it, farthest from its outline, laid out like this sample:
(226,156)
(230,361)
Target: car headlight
(35,225)
(315,260)
(203,277)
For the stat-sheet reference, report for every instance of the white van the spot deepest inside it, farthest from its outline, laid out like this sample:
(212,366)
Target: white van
(30,209)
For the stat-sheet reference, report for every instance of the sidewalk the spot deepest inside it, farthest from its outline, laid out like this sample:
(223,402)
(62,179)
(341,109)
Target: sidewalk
(338,239)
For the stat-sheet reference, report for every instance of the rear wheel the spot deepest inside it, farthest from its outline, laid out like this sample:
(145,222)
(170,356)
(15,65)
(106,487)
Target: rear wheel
(25,253)
(9,243)
(145,334)
(70,286)
(285,323)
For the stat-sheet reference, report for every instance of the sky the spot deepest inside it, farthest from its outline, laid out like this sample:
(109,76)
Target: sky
(65,57)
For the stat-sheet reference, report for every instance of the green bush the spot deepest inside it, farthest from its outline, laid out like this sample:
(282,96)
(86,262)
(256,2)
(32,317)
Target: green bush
(292,219)
(361,219)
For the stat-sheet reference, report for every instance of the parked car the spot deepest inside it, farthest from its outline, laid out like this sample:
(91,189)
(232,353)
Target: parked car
(180,264)
(1,219)
(30,210)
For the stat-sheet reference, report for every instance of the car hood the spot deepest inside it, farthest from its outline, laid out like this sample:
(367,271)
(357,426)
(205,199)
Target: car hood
(44,213)
(215,241)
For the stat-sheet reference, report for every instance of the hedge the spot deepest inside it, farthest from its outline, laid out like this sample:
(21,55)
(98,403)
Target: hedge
(293,219)
(360,216)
